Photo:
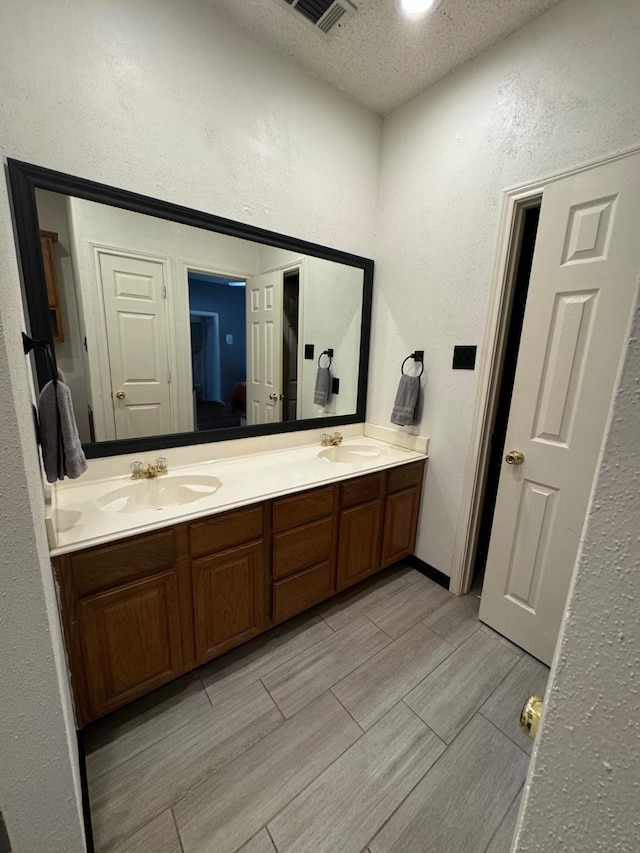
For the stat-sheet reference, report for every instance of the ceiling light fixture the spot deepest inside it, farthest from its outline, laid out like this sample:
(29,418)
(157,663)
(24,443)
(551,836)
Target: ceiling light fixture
(416,8)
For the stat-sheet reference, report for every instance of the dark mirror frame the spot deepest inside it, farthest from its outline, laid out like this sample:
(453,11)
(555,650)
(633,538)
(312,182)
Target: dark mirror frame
(25,178)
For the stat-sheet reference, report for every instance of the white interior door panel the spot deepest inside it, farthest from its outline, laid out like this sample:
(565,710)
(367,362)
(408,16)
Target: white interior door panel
(134,296)
(264,348)
(581,292)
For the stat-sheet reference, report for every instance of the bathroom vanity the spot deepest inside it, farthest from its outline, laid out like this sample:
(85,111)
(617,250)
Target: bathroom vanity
(140,611)
(253,523)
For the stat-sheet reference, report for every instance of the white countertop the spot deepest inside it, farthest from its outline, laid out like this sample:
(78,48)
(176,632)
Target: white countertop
(75,520)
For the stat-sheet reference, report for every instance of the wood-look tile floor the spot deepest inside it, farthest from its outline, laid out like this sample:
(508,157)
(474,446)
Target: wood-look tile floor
(384,721)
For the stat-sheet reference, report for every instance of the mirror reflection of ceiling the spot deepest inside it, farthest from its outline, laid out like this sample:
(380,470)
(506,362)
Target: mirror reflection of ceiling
(164,328)
(380,58)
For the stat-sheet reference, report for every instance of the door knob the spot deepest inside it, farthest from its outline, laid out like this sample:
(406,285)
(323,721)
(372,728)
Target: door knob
(514,457)
(530,715)
(273,396)
(120,395)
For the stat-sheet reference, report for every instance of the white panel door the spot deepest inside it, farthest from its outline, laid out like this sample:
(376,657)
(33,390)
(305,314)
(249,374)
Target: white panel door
(264,348)
(134,296)
(581,292)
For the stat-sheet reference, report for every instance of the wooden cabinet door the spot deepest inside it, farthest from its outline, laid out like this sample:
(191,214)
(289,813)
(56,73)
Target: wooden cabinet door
(131,639)
(400,525)
(229,605)
(359,543)
(47,239)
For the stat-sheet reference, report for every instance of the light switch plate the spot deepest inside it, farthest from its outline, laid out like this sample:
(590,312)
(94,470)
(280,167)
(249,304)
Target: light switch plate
(464,358)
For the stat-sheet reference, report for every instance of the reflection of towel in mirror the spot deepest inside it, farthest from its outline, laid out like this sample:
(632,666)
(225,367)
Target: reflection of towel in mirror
(404,408)
(62,452)
(322,393)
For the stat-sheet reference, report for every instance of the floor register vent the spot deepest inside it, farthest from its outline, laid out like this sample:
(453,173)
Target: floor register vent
(325,16)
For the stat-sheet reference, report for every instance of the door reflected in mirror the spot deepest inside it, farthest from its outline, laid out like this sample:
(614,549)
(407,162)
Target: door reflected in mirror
(162,327)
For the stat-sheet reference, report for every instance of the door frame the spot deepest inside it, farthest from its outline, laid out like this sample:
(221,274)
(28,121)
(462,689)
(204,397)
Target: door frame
(515,202)
(181,312)
(299,266)
(290,266)
(214,318)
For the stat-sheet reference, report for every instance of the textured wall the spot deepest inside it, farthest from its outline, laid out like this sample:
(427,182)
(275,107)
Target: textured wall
(38,793)
(584,783)
(170,100)
(165,99)
(332,315)
(536,104)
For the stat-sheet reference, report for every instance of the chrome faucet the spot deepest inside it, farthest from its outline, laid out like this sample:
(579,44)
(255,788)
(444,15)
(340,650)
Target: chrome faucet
(331,440)
(144,471)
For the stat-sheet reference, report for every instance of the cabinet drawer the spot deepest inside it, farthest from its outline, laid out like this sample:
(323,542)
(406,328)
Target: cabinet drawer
(301,547)
(297,593)
(226,531)
(298,509)
(361,490)
(405,476)
(128,560)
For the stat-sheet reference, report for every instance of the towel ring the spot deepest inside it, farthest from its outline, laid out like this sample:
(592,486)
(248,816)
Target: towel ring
(29,344)
(415,359)
(329,354)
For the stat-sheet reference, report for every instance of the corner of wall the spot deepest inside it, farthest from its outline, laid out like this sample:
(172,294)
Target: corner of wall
(39,773)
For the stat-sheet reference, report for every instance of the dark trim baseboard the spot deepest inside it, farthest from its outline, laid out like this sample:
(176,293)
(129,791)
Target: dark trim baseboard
(5,844)
(84,787)
(428,571)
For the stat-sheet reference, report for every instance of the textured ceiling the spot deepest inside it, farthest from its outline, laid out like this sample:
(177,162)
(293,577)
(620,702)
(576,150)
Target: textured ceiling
(380,58)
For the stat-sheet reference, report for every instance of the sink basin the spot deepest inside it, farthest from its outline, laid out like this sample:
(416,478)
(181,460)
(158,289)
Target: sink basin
(158,493)
(346,453)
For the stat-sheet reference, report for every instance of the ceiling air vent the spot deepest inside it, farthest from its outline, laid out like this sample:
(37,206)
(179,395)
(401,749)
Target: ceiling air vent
(325,16)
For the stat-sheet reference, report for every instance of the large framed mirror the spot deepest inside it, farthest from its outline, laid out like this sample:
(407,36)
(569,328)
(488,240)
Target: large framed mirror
(173,326)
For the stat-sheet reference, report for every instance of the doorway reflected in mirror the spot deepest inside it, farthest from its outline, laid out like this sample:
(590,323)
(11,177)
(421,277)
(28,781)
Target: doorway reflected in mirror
(217,313)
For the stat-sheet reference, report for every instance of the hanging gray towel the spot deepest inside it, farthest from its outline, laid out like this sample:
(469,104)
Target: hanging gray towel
(62,452)
(404,408)
(322,393)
